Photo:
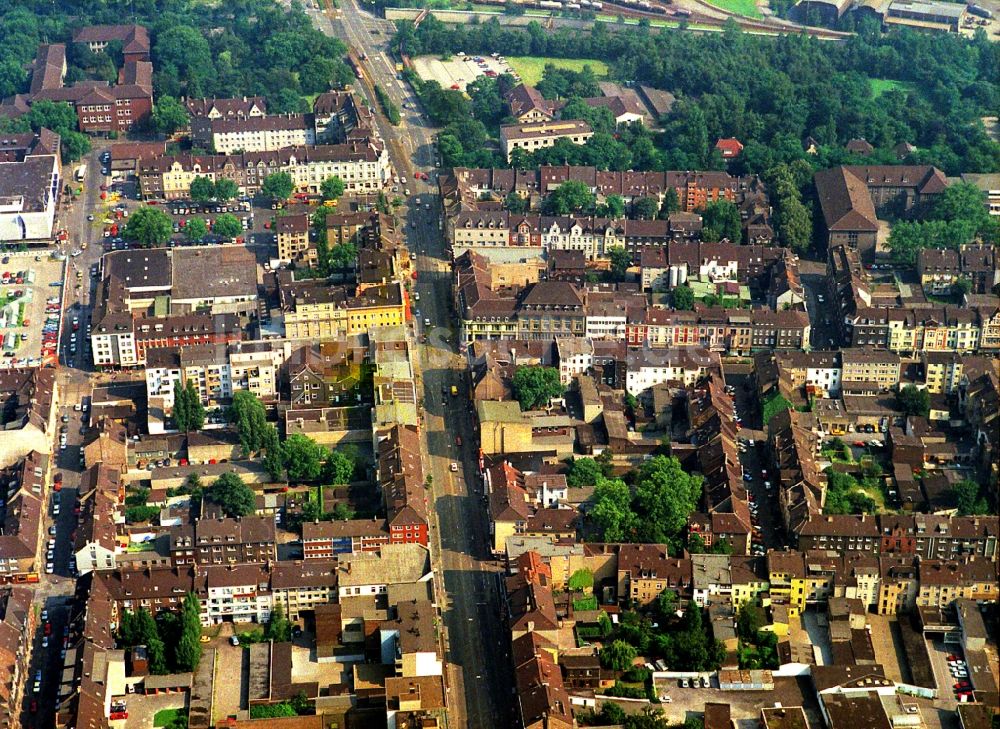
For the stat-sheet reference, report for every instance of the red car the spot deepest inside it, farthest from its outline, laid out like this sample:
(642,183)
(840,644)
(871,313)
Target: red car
(859,444)
(48,628)
(33,706)
(953,657)
(57,486)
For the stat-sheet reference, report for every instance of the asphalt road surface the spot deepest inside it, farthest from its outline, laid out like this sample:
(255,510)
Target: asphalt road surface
(478,671)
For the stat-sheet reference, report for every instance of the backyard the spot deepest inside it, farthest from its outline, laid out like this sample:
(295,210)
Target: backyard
(530,68)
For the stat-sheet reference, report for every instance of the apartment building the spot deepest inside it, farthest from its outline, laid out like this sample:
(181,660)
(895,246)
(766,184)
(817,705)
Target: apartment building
(371,573)
(363,165)
(465,187)
(551,309)
(647,368)
(97,542)
(646,570)
(29,190)
(862,365)
(17,631)
(539,135)
(205,366)
(303,586)
(328,539)
(292,233)
(819,372)
(840,532)
(313,310)
(248,539)
(241,108)
(253,133)
(943,581)
(22,518)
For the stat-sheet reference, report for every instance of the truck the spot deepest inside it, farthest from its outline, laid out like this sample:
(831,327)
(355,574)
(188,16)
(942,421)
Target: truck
(80,173)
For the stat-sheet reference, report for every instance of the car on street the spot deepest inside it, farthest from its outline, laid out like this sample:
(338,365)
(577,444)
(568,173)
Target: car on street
(233,640)
(453,468)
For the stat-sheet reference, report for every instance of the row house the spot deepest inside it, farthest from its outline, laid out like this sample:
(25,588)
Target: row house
(400,475)
(664,267)
(912,331)
(819,372)
(839,532)
(22,519)
(898,583)
(464,187)
(362,164)
(328,539)
(17,631)
(940,269)
(300,587)
(311,309)
(943,581)
(646,367)
(865,365)
(253,133)
(539,135)
(801,485)
(97,543)
(646,570)
(736,332)
(223,541)
(372,573)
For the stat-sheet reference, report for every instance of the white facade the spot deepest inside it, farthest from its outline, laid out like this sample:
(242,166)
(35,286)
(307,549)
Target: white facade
(262,140)
(646,375)
(239,603)
(825,378)
(114,349)
(602,326)
(29,191)
(94,557)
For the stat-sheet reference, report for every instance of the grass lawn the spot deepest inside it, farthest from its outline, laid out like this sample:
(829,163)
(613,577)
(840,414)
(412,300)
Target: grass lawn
(530,67)
(743,7)
(165,716)
(880,85)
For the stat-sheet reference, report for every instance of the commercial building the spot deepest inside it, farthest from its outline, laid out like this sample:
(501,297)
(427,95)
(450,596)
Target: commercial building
(535,136)
(29,191)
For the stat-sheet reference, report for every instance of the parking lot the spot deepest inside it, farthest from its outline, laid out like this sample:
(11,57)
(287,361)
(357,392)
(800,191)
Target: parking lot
(788,691)
(30,293)
(459,71)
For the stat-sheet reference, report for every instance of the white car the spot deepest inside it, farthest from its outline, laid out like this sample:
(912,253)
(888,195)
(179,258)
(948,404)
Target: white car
(49,568)
(453,468)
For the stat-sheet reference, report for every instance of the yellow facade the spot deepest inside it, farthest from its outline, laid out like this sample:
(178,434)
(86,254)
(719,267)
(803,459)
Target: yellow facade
(360,320)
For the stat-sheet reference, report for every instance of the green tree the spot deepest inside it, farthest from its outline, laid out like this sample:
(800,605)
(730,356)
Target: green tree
(231,493)
(189,646)
(74,145)
(666,604)
(620,261)
(247,413)
(278,186)
(341,512)
(227,225)
(196,229)
(572,196)
(339,468)
(303,457)
(749,620)
(645,208)
(914,401)
(671,204)
(583,472)
(169,115)
(278,628)
(682,297)
(148,635)
(613,207)
(225,189)
(148,227)
(774,404)
(581,580)
(343,255)
(272,711)
(966,495)
(534,386)
(516,203)
(665,495)
(618,656)
(140,514)
(612,714)
(611,512)
(202,189)
(720,220)
(332,188)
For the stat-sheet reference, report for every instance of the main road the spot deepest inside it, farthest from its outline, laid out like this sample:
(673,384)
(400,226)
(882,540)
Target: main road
(476,645)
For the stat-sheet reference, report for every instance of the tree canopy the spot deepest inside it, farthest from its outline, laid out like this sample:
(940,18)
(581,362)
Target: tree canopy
(148,227)
(534,386)
(188,412)
(913,400)
(278,186)
(231,493)
(770,93)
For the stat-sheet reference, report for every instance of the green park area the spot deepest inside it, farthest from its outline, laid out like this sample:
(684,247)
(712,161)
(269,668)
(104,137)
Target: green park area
(741,7)
(530,68)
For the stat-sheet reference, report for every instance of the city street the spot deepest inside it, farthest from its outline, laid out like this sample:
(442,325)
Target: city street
(478,674)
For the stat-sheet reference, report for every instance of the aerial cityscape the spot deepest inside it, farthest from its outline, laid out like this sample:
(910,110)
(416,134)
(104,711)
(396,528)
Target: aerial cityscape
(542,364)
